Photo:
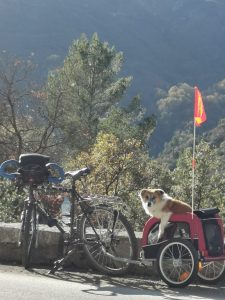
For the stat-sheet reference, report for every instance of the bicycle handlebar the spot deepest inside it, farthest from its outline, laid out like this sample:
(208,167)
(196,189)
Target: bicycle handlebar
(9,163)
(15,164)
(52,167)
(58,169)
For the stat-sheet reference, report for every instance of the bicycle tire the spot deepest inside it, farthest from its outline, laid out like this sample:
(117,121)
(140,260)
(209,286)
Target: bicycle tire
(28,235)
(106,242)
(216,275)
(176,251)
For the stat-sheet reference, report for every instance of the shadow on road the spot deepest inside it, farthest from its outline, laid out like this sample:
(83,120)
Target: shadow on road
(133,285)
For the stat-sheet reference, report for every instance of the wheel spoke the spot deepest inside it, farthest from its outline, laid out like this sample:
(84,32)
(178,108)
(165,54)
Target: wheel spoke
(176,262)
(111,242)
(212,270)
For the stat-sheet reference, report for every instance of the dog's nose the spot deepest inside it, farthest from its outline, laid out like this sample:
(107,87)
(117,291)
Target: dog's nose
(149,203)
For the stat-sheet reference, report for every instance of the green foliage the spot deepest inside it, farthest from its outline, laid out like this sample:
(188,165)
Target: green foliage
(122,168)
(87,85)
(129,122)
(11,202)
(209,180)
(178,96)
(80,106)
(175,121)
(175,111)
(111,161)
(181,140)
(215,137)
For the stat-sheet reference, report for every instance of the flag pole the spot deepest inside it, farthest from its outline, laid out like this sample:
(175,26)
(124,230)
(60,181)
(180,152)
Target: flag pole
(193,171)
(199,118)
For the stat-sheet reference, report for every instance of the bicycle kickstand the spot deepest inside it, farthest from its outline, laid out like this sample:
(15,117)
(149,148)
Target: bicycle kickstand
(60,262)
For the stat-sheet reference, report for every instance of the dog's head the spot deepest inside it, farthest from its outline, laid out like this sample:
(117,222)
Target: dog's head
(151,196)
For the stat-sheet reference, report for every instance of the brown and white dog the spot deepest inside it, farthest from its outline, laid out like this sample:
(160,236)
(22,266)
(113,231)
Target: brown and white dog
(158,204)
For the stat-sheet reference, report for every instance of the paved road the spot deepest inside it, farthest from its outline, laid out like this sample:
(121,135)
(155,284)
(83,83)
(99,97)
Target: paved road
(18,284)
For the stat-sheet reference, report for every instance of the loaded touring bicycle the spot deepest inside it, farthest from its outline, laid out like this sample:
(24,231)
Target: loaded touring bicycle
(96,225)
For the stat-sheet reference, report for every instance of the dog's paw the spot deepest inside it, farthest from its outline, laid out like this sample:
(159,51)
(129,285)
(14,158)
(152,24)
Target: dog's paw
(160,237)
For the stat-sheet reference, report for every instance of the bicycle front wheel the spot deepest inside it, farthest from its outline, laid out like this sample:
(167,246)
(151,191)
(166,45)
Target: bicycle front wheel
(108,241)
(29,231)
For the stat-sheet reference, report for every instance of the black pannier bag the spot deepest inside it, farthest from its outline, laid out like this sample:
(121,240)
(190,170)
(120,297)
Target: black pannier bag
(32,168)
(213,237)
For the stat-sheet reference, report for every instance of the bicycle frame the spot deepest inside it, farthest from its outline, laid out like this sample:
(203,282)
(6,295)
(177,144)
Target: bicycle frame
(29,201)
(33,206)
(33,201)
(77,198)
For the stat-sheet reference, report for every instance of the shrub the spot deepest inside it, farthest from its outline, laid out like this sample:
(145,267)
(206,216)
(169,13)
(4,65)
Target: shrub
(11,202)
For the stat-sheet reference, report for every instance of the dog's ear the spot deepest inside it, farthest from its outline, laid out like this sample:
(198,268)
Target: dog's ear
(160,191)
(143,191)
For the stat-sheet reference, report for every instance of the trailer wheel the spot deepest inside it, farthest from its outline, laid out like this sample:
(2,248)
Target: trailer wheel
(177,262)
(211,272)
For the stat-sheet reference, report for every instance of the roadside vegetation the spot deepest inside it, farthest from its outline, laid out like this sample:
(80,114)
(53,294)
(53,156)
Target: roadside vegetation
(78,118)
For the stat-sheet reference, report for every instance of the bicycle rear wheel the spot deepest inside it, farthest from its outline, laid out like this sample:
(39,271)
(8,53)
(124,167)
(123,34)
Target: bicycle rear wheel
(29,232)
(107,237)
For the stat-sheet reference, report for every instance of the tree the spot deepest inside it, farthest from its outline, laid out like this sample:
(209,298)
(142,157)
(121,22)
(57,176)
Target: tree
(121,168)
(215,137)
(209,180)
(129,122)
(24,122)
(175,110)
(110,160)
(181,140)
(89,85)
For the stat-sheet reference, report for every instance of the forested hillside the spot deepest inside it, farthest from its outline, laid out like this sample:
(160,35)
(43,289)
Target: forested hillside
(164,42)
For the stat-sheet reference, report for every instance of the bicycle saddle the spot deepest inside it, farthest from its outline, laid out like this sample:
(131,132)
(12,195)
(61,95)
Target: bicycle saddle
(78,173)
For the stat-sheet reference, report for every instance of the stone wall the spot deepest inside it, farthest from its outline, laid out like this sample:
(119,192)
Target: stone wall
(48,250)
(48,245)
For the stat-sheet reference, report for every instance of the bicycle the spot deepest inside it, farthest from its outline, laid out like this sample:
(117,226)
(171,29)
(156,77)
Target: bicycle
(100,229)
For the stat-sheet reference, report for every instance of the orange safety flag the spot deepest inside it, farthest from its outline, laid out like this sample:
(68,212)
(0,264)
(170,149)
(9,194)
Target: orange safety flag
(199,111)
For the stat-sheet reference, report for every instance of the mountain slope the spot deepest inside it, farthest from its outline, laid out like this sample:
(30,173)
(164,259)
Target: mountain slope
(164,42)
